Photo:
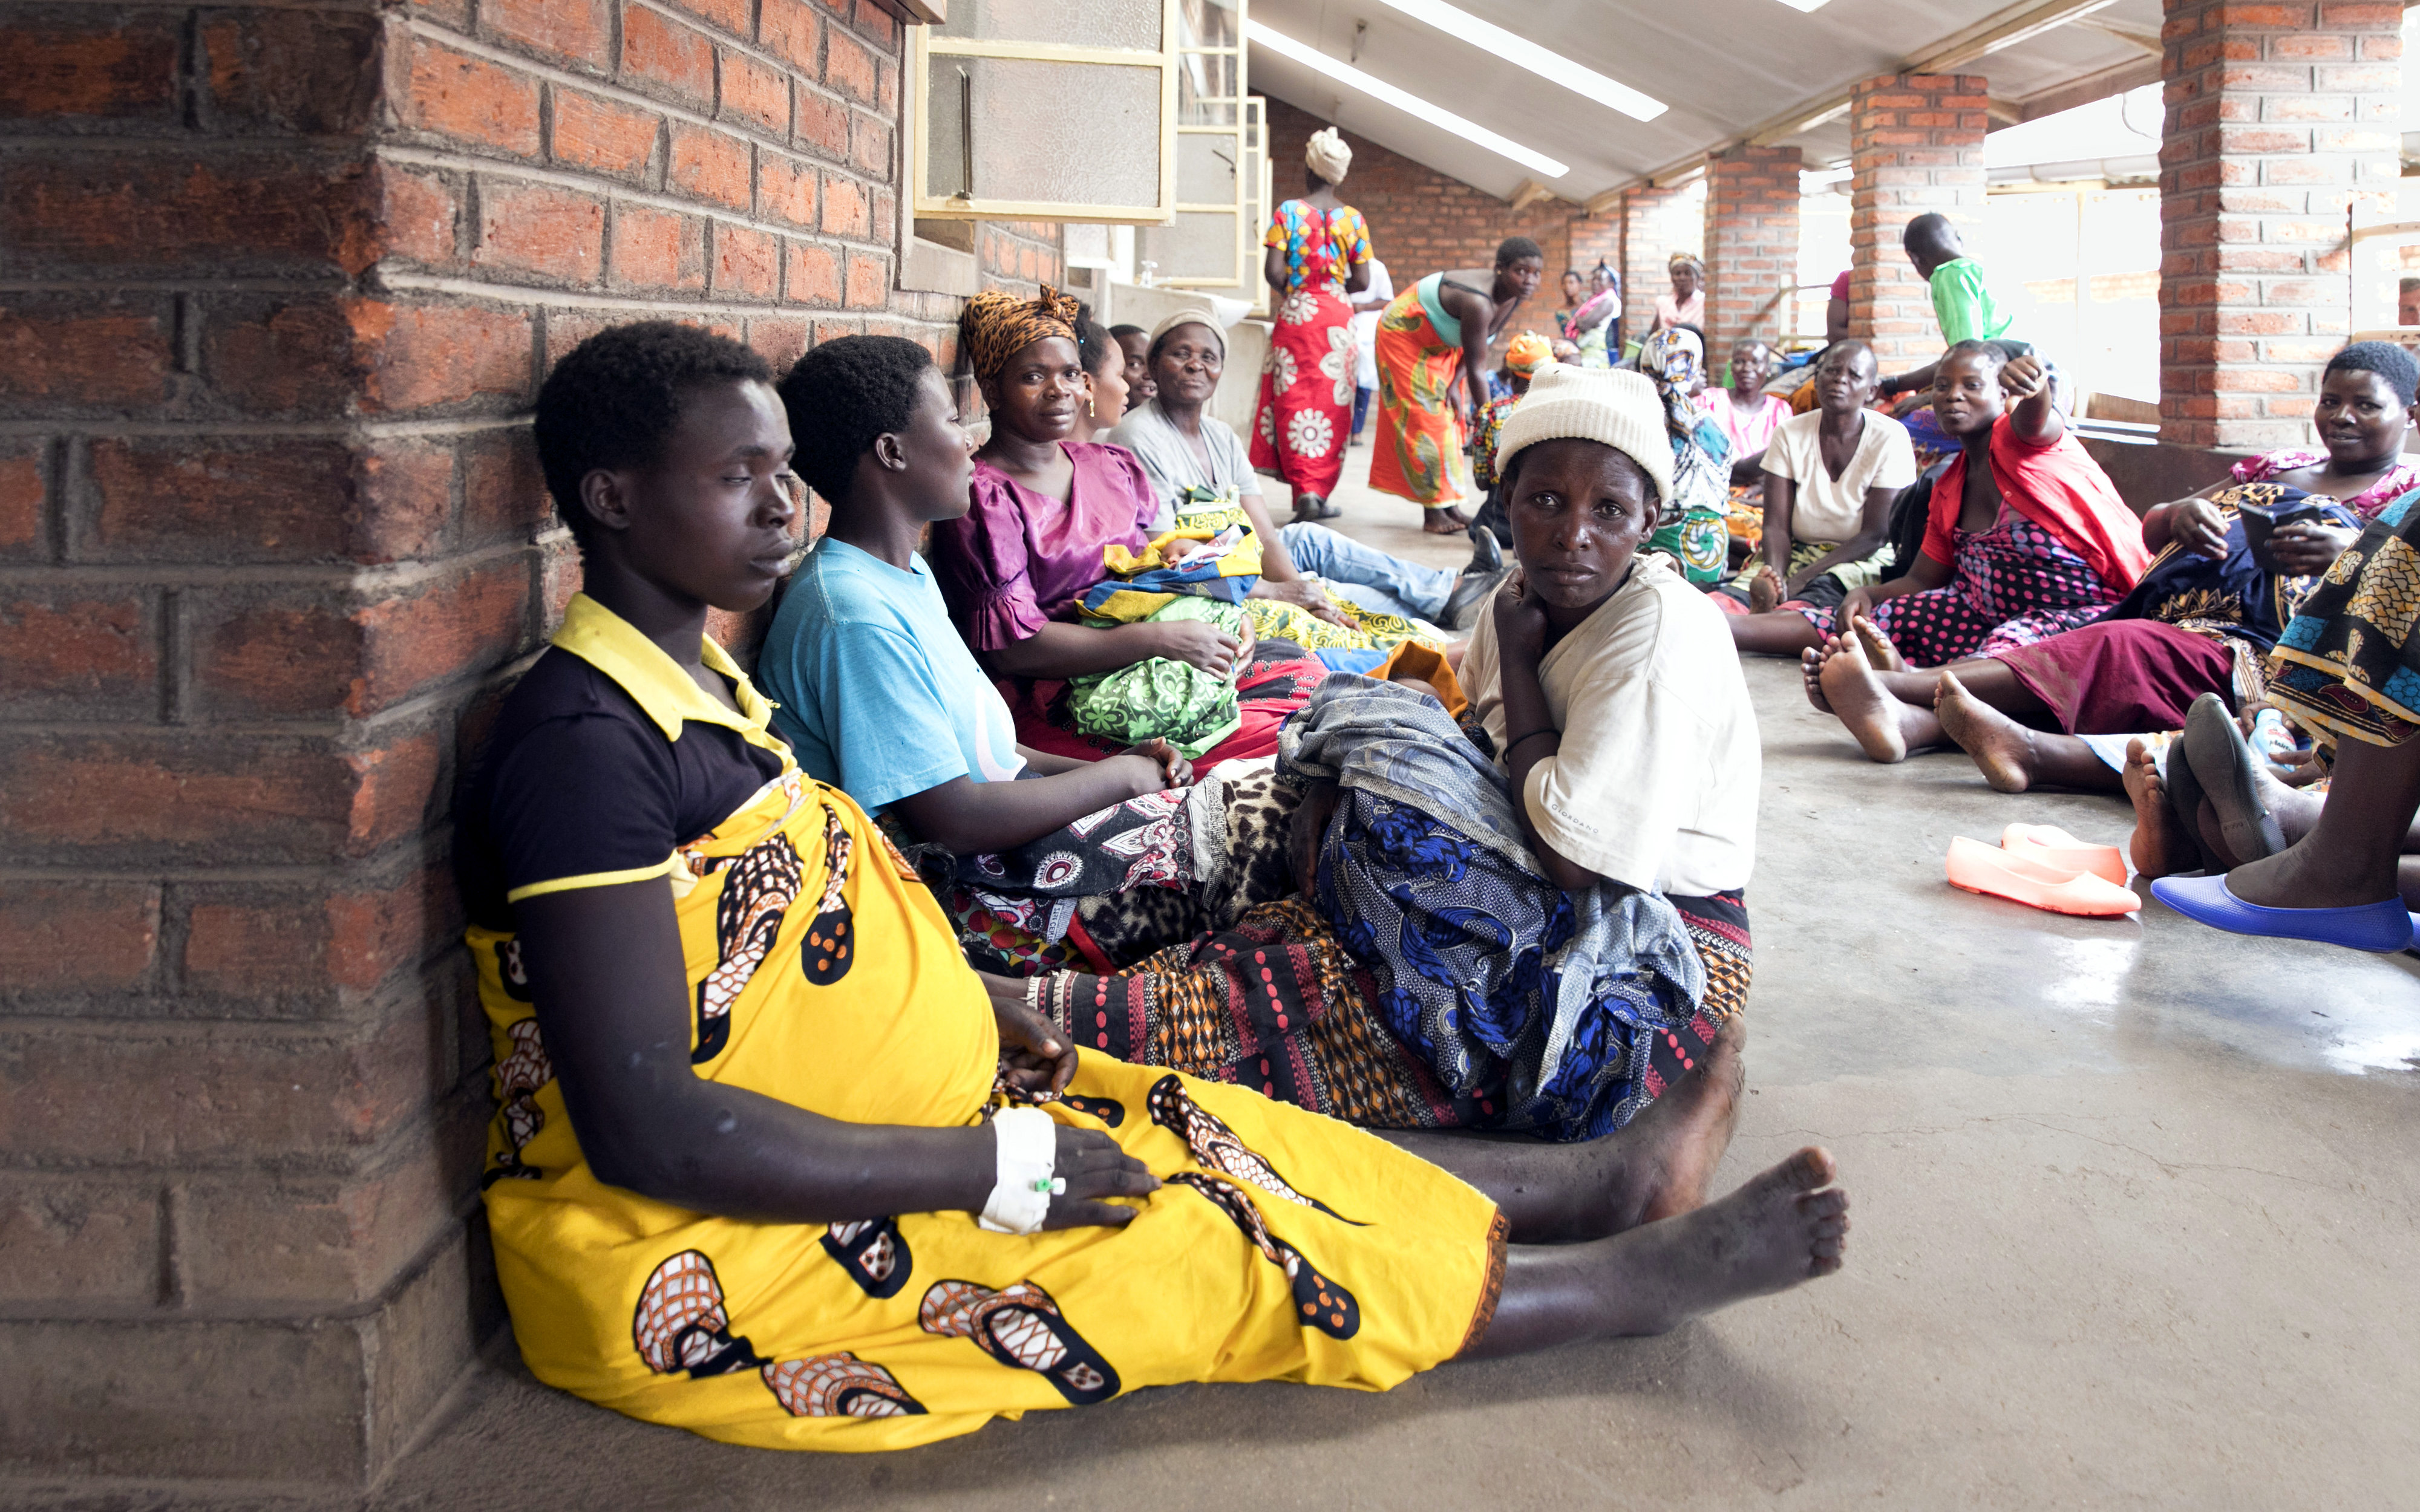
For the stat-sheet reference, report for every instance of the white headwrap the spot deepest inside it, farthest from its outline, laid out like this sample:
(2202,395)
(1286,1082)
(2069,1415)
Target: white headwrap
(1327,156)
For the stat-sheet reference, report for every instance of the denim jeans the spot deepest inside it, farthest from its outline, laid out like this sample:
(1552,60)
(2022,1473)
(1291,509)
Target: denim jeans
(1360,410)
(1367,575)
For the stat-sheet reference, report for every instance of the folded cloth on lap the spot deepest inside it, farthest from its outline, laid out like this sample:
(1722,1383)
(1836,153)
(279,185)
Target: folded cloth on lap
(1508,986)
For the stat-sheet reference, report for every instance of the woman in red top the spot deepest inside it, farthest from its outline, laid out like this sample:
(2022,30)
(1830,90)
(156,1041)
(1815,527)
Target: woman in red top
(2026,535)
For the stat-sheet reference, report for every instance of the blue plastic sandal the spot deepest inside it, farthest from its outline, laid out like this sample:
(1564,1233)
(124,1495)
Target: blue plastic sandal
(2381,927)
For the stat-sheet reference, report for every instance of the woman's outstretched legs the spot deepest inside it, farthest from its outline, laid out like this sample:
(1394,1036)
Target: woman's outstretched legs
(1787,1226)
(2351,854)
(2013,757)
(1661,1164)
(1776,632)
(1886,727)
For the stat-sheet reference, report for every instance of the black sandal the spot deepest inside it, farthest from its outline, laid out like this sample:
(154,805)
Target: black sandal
(2229,775)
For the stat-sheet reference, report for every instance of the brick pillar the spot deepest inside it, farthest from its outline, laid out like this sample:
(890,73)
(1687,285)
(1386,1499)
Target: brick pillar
(2277,117)
(284,283)
(1595,239)
(1751,243)
(1916,144)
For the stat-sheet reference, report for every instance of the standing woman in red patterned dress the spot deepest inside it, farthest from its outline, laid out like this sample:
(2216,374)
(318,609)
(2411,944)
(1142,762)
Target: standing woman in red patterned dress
(1318,255)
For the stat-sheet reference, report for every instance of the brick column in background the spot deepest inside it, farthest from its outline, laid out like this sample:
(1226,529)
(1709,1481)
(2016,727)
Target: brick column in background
(2278,115)
(1916,144)
(1594,239)
(1751,245)
(272,544)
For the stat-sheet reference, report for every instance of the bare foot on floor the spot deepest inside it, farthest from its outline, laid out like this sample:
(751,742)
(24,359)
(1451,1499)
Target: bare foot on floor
(1763,591)
(2003,749)
(1786,1227)
(2160,847)
(1864,704)
(1669,1151)
(1879,653)
(1447,521)
(1811,667)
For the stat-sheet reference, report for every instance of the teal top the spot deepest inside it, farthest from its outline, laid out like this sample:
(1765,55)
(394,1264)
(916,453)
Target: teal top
(1449,327)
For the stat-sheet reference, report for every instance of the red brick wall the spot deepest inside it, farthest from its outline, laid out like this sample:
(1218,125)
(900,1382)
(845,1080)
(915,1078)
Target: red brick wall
(1422,222)
(2277,117)
(1751,245)
(285,282)
(1915,145)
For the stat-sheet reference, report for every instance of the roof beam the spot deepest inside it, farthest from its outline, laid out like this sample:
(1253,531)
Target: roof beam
(2005,29)
(2147,42)
(2132,74)
(2020,23)
(1528,193)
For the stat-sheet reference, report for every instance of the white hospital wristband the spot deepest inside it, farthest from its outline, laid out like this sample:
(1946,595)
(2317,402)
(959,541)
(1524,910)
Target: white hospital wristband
(1027,1153)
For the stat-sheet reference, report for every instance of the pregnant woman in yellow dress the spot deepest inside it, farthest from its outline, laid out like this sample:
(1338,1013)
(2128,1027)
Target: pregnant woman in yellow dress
(773,1163)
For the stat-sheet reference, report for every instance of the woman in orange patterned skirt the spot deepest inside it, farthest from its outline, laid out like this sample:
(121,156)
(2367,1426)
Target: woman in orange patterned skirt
(1318,254)
(1436,331)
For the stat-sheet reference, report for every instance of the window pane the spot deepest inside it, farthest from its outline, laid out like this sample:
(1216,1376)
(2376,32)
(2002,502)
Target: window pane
(1205,168)
(1026,111)
(1206,23)
(1081,23)
(1201,79)
(1201,245)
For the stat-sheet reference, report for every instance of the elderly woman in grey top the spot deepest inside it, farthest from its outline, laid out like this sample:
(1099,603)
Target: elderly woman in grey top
(1199,466)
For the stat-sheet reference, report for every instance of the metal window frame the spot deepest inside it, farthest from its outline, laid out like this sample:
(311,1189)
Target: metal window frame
(1247,236)
(924,46)
(2375,235)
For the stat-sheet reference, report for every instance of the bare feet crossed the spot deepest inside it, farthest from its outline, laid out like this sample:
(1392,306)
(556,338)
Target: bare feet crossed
(2003,749)
(1811,667)
(1881,653)
(2160,847)
(1786,1227)
(1864,704)
(1763,591)
(1669,1151)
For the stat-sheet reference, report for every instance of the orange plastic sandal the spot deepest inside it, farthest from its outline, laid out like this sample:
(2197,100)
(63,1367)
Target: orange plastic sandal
(1979,868)
(2054,847)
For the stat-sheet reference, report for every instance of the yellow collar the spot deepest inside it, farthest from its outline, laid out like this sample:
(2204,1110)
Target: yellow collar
(656,683)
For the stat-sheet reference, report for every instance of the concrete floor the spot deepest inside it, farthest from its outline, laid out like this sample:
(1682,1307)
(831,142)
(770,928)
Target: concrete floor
(2137,1222)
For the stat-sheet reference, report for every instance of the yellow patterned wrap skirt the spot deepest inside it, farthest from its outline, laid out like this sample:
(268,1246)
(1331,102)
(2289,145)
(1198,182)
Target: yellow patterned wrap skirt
(1283,1247)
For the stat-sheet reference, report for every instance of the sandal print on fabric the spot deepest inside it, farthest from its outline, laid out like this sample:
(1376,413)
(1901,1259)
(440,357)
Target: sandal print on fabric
(1217,1147)
(874,1253)
(1325,1305)
(680,1323)
(519,1077)
(839,1385)
(757,894)
(1020,1326)
(824,954)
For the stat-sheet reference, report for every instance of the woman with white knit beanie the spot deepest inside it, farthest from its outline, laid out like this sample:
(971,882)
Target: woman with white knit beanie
(1649,777)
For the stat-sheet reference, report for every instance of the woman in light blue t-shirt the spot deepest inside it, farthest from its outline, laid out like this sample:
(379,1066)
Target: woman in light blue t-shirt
(882,698)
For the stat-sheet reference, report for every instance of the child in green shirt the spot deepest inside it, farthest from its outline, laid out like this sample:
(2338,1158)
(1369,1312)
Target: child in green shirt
(1961,302)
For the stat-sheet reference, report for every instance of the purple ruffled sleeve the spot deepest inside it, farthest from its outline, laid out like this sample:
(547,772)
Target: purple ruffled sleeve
(980,563)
